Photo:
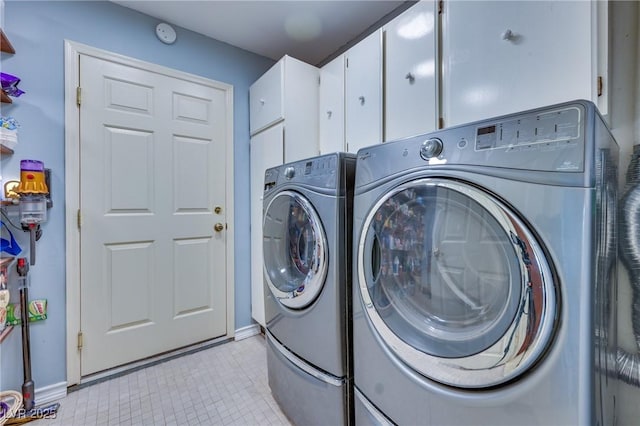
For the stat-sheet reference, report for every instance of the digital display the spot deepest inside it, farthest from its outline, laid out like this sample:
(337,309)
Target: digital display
(486,130)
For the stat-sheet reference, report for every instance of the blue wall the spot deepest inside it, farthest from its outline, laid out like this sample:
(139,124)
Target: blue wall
(37,30)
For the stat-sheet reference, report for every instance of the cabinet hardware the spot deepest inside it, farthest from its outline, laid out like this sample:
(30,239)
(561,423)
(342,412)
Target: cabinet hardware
(600,83)
(507,35)
(329,113)
(410,77)
(361,99)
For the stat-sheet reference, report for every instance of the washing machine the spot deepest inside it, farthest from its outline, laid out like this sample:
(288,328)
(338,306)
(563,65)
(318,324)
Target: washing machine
(307,229)
(485,273)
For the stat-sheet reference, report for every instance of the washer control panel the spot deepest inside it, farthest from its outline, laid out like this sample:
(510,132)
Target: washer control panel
(317,172)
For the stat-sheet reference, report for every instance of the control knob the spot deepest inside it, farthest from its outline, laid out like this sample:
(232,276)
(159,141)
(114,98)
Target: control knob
(431,148)
(289,172)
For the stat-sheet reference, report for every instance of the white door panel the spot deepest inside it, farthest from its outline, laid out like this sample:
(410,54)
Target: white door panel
(332,106)
(266,98)
(411,72)
(152,170)
(363,89)
(498,58)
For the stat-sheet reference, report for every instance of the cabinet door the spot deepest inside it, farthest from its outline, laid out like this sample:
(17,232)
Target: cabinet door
(502,57)
(363,100)
(410,72)
(331,115)
(266,151)
(266,99)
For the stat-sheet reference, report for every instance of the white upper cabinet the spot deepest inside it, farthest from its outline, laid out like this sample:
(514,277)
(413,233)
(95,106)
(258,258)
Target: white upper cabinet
(411,72)
(505,56)
(265,99)
(363,93)
(332,106)
(288,92)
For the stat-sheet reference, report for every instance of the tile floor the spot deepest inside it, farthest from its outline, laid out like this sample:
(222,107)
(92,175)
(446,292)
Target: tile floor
(223,385)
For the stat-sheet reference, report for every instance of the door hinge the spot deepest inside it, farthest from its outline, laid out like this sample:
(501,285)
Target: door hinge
(78,95)
(440,6)
(80,340)
(79,219)
(440,123)
(600,86)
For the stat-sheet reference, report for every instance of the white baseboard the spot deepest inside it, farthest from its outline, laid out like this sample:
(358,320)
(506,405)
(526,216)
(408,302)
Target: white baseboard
(248,331)
(50,393)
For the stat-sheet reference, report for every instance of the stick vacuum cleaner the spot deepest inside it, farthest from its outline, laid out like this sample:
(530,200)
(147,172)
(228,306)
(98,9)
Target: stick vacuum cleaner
(28,386)
(29,411)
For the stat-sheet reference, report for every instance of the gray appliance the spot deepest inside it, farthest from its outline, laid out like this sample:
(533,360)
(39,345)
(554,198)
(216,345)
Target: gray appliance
(307,219)
(485,273)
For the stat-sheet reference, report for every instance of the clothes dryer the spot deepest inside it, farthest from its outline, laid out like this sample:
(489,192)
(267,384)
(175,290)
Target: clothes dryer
(307,269)
(485,273)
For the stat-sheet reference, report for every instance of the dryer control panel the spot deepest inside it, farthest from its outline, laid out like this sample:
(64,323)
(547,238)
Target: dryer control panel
(561,139)
(531,132)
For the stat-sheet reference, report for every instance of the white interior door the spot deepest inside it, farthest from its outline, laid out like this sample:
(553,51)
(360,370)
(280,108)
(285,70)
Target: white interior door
(267,150)
(152,171)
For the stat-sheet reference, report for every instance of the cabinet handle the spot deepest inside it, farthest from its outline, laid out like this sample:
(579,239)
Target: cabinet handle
(507,35)
(361,98)
(410,77)
(329,114)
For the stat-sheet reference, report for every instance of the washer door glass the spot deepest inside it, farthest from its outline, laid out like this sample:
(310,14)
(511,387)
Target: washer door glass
(294,250)
(446,273)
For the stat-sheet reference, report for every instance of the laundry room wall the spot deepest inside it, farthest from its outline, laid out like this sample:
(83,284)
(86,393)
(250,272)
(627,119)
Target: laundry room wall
(37,30)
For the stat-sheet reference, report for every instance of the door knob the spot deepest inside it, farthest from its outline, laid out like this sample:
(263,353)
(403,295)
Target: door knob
(218,227)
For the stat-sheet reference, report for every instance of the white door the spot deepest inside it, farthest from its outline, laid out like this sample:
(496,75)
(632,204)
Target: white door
(332,106)
(267,150)
(411,72)
(499,59)
(152,171)
(363,93)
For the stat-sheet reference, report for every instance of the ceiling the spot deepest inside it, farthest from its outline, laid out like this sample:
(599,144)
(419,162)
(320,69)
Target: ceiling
(308,30)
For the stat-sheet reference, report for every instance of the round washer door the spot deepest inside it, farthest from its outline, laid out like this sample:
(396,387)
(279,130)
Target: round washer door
(455,284)
(294,250)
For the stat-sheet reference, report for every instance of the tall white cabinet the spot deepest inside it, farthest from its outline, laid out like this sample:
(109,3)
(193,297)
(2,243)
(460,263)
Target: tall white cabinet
(501,57)
(331,113)
(363,93)
(411,72)
(283,107)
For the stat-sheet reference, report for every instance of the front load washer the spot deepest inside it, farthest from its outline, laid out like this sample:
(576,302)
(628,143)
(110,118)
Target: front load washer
(307,274)
(485,273)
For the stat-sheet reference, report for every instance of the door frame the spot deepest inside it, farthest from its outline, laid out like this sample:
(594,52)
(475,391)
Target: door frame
(72,50)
